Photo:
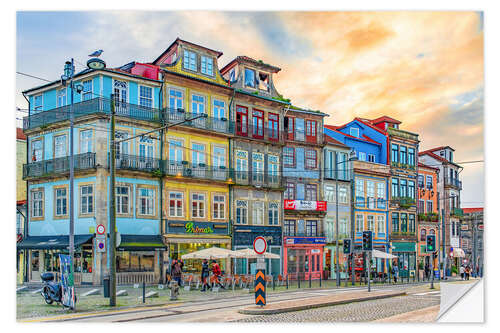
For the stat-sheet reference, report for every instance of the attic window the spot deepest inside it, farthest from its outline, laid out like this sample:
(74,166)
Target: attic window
(174,58)
(249,78)
(232,75)
(395,126)
(264,81)
(354,132)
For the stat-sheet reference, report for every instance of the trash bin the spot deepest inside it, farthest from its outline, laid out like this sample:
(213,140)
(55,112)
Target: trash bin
(105,282)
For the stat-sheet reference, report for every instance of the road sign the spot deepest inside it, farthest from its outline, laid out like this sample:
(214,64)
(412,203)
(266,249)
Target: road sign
(100,244)
(260,287)
(259,245)
(101,229)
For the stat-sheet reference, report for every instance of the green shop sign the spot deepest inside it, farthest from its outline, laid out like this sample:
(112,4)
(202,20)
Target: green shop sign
(192,229)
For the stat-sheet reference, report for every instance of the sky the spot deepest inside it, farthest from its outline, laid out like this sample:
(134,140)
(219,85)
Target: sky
(423,68)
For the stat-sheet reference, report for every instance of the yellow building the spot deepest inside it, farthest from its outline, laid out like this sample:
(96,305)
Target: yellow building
(21,156)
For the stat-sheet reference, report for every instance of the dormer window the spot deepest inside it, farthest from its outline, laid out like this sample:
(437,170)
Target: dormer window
(264,81)
(207,65)
(451,156)
(442,153)
(190,60)
(354,132)
(232,75)
(174,57)
(395,126)
(249,78)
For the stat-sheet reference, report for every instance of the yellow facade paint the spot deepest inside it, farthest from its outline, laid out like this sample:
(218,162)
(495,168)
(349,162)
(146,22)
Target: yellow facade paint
(20,160)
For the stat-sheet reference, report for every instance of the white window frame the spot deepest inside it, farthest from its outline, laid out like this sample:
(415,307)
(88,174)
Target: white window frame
(218,207)
(329,193)
(86,93)
(370,193)
(37,108)
(61,93)
(119,199)
(257,209)
(273,213)
(241,164)
(85,141)
(354,130)
(381,224)
(177,100)
(198,104)
(362,156)
(370,221)
(360,222)
(37,204)
(89,198)
(34,151)
(241,207)
(146,203)
(219,111)
(204,63)
(258,167)
(200,213)
(188,54)
(61,201)
(63,143)
(342,194)
(176,200)
(146,98)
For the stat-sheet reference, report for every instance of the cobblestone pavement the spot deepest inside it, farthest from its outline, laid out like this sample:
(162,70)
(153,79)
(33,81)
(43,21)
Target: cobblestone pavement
(353,312)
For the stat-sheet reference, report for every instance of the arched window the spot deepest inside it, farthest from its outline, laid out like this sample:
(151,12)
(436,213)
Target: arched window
(432,232)
(423,233)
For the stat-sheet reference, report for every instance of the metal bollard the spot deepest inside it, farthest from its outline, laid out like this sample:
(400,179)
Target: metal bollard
(309,280)
(143,292)
(320,279)
(298,281)
(273,283)
(287,281)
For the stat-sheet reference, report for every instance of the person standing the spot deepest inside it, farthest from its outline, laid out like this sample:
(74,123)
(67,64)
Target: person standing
(217,273)
(177,273)
(427,270)
(395,272)
(462,272)
(467,272)
(205,272)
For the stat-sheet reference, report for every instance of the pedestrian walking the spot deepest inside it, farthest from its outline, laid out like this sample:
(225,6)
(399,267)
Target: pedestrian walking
(217,273)
(177,273)
(427,271)
(395,272)
(205,272)
(467,272)
(462,272)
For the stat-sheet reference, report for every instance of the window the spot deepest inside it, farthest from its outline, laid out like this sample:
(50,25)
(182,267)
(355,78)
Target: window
(370,193)
(412,223)
(273,124)
(342,166)
(198,205)
(87,90)
(37,203)
(258,167)
(122,199)
(37,150)
(198,104)
(404,222)
(395,187)
(121,148)
(219,207)
(145,96)
(360,192)
(329,193)
(371,158)
(411,156)
(381,224)
(85,141)
(429,206)
(311,192)
(289,157)
(175,98)
(241,212)
(342,194)
(299,129)
(395,222)
(146,152)
(402,188)
(198,155)
(402,151)
(411,189)
(219,109)
(343,228)
(362,156)
(241,120)
(258,124)
(420,207)
(272,167)
(263,81)
(359,223)
(249,78)
(232,75)
(312,228)
(273,213)
(86,199)
(353,131)
(420,181)
(257,212)
(289,227)
(423,235)
(380,195)
(310,158)
(175,152)
(147,201)
(176,201)
(207,65)
(241,164)
(290,191)
(219,162)
(311,130)
(394,152)
(428,180)
(61,202)
(371,223)
(61,98)
(289,127)
(60,146)
(190,60)
(38,103)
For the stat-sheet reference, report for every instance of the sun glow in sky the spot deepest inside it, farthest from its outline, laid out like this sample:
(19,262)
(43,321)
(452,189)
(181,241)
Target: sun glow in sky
(425,69)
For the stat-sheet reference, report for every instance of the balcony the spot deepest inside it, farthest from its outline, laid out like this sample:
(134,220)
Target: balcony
(257,179)
(402,166)
(91,107)
(453,182)
(403,202)
(403,235)
(199,171)
(371,167)
(429,217)
(221,125)
(301,136)
(138,163)
(58,166)
(259,133)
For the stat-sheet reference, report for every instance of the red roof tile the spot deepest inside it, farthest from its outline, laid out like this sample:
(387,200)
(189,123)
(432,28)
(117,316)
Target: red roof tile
(370,125)
(364,138)
(385,119)
(20,134)
(331,140)
(370,140)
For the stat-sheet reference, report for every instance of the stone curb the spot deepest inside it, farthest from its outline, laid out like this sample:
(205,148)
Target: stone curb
(291,308)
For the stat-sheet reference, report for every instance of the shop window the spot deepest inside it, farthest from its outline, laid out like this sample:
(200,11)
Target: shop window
(132,261)
(198,205)
(61,198)
(147,201)
(86,199)
(219,206)
(311,158)
(241,212)
(176,202)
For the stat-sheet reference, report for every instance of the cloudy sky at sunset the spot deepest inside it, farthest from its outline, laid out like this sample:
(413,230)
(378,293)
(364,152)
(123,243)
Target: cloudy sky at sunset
(423,68)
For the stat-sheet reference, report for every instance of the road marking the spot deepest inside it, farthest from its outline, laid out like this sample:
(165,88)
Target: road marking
(427,293)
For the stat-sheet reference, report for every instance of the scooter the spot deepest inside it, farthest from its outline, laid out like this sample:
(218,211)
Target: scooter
(51,291)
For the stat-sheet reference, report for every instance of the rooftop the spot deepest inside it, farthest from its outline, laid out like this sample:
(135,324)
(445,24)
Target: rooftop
(252,61)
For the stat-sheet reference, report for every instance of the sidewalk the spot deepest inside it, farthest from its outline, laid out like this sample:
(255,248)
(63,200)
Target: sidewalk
(288,306)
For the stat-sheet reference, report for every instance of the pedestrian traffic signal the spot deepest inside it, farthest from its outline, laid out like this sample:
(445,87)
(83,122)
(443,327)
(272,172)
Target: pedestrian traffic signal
(430,245)
(347,246)
(367,241)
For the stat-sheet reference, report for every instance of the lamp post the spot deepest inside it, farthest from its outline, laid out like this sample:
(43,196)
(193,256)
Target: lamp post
(352,157)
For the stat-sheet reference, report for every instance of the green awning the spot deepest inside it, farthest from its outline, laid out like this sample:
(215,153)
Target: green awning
(141,242)
(51,242)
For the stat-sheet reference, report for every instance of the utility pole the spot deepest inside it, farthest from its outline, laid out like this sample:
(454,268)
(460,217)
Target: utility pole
(443,232)
(353,271)
(71,71)
(112,211)
(337,273)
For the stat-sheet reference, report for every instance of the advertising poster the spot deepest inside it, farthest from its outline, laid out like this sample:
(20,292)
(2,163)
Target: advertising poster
(67,282)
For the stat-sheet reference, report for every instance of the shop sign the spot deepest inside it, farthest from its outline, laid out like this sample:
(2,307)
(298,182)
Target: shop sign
(192,229)
(200,228)
(305,205)
(244,235)
(305,240)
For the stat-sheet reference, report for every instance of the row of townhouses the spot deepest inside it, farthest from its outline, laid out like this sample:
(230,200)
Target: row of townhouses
(255,165)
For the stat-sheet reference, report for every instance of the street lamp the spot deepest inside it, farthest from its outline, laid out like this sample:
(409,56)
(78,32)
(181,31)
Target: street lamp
(352,157)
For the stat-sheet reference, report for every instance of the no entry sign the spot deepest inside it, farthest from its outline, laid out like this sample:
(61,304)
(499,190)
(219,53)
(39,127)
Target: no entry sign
(259,245)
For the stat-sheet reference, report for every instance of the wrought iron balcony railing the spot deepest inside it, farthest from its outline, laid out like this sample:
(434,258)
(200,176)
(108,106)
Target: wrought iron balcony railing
(302,136)
(58,165)
(453,182)
(200,171)
(257,179)
(221,125)
(137,163)
(263,132)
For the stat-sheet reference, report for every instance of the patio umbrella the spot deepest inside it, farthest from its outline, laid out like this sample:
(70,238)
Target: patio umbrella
(383,255)
(211,253)
(250,253)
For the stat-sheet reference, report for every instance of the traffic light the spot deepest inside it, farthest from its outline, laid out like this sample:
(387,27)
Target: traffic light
(347,246)
(430,245)
(367,241)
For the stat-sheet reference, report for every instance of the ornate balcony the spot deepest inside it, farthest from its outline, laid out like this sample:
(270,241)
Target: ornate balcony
(138,163)
(221,125)
(263,133)
(58,166)
(453,182)
(257,179)
(199,171)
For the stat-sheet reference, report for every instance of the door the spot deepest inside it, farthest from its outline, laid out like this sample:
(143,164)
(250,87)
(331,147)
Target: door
(219,162)
(241,121)
(258,124)
(120,91)
(403,264)
(311,131)
(175,157)
(146,157)
(273,123)
(198,160)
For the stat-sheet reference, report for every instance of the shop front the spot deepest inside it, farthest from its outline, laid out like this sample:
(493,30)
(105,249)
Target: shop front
(330,262)
(406,253)
(243,237)
(185,237)
(303,257)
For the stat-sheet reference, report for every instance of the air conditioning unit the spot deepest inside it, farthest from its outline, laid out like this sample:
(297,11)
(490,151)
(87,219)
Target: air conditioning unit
(188,172)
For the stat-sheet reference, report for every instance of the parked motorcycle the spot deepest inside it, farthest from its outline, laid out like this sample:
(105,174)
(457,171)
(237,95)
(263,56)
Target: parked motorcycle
(51,291)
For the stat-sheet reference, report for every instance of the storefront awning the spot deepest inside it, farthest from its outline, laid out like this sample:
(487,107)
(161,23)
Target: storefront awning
(458,253)
(51,242)
(141,242)
(383,255)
